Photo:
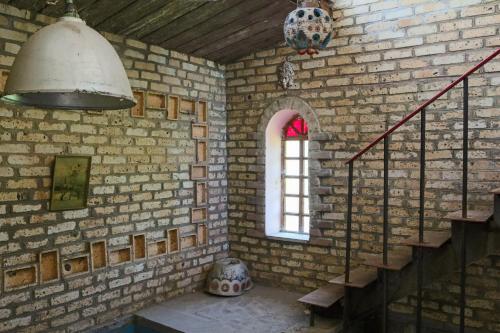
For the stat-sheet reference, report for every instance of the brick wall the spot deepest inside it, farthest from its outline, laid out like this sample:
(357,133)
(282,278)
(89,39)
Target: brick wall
(139,183)
(387,58)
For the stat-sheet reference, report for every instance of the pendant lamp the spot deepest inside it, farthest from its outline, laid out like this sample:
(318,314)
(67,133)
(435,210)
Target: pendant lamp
(68,65)
(309,28)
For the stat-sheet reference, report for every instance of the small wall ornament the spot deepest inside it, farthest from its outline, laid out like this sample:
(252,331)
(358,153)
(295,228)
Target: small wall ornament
(286,74)
(309,28)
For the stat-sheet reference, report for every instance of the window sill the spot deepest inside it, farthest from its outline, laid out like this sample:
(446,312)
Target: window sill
(290,237)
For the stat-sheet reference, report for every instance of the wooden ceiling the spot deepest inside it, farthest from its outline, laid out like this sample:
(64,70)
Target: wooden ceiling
(220,30)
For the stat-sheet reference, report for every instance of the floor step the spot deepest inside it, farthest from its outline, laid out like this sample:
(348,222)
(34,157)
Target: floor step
(358,278)
(473,216)
(324,297)
(395,262)
(432,239)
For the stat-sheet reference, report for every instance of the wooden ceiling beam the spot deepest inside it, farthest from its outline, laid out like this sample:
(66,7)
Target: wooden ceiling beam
(262,41)
(102,10)
(223,19)
(154,21)
(35,6)
(192,20)
(137,11)
(214,35)
(58,10)
(262,27)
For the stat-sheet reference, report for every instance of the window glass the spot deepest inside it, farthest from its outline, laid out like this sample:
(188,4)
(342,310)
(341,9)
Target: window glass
(292,223)
(306,168)
(292,186)
(292,167)
(306,186)
(292,205)
(305,208)
(306,149)
(292,148)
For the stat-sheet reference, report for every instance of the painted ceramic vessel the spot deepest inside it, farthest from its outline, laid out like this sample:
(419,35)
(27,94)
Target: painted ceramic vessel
(308,29)
(229,277)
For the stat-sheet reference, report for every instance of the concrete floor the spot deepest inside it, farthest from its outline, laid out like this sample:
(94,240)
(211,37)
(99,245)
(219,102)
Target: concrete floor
(261,310)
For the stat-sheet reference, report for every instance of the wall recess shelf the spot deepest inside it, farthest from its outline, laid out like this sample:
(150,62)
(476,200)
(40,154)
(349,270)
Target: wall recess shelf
(199,172)
(173,240)
(139,246)
(76,266)
(189,241)
(202,234)
(173,107)
(20,277)
(201,151)
(201,195)
(202,113)
(120,256)
(156,101)
(199,131)
(138,110)
(199,214)
(188,106)
(98,254)
(49,266)
(157,248)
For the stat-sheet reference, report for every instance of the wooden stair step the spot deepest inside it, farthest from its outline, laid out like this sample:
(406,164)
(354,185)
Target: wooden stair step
(496,191)
(358,278)
(395,262)
(473,216)
(432,239)
(324,297)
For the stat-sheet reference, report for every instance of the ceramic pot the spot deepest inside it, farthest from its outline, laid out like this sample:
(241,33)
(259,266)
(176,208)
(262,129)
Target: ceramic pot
(228,277)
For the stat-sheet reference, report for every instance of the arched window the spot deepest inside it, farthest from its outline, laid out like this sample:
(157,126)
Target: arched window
(295,177)
(287,180)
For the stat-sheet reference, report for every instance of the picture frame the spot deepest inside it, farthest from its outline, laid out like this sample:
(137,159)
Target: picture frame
(70,183)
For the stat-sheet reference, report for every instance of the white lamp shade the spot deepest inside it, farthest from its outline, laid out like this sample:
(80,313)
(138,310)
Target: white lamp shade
(68,65)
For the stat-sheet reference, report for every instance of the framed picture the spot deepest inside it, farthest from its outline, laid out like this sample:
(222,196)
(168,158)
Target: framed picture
(70,183)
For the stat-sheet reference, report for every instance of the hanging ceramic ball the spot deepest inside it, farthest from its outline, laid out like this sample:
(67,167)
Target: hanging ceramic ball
(308,28)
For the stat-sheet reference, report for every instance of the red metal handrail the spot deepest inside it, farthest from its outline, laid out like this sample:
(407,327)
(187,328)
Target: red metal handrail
(423,106)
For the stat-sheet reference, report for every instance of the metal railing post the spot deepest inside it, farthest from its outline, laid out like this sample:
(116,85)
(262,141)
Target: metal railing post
(349,223)
(386,200)
(463,259)
(346,315)
(465,148)
(386,237)
(421,217)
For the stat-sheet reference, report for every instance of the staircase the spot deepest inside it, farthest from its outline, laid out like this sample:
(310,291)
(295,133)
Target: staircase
(366,291)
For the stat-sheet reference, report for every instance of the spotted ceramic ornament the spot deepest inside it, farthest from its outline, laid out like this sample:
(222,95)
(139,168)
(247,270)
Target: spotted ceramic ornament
(308,29)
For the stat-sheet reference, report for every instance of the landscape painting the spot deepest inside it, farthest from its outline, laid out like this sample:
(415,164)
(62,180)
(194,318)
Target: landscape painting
(70,183)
